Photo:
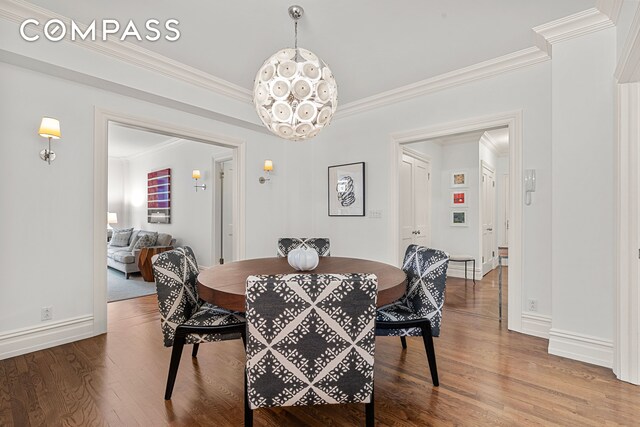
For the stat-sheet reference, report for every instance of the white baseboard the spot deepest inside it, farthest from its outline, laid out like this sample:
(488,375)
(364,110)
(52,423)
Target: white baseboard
(26,340)
(536,324)
(581,347)
(457,270)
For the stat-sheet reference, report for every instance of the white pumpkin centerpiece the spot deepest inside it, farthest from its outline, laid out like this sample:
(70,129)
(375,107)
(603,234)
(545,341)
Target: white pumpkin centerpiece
(303,259)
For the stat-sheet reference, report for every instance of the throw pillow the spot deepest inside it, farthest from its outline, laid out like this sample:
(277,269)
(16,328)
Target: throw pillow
(133,241)
(153,234)
(120,238)
(145,241)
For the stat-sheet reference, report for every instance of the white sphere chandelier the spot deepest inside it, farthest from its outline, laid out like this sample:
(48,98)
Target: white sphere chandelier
(295,93)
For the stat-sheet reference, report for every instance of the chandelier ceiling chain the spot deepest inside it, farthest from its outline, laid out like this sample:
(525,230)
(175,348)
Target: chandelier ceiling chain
(295,93)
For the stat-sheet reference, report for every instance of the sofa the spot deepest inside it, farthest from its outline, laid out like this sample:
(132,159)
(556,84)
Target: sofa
(123,254)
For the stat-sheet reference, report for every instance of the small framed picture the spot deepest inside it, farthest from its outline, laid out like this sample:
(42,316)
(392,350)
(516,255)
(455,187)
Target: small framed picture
(459,218)
(459,199)
(459,179)
(346,190)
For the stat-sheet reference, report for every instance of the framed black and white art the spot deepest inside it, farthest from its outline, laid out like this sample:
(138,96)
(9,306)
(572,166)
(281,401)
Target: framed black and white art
(346,190)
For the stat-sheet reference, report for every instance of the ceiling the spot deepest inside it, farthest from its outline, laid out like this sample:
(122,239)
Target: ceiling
(500,138)
(371,45)
(126,142)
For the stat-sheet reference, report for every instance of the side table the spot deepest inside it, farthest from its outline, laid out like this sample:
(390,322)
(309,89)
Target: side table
(144,262)
(465,259)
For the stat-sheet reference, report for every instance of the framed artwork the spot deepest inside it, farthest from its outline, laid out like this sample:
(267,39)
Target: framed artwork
(159,196)
(459,179)
(459,218)
(346,190)
(459,199)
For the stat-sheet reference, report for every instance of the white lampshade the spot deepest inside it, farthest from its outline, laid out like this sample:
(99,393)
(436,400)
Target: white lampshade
(195,174)
(112,218)
(295,94)
(268,165)
(49,128)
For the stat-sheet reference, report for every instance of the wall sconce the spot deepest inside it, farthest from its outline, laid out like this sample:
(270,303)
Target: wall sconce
(112,218)
(268,167)
(49,128)
(196,175)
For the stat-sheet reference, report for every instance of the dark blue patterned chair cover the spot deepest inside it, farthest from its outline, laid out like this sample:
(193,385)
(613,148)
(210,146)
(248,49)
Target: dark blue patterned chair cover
(184,317)
(419,311)
(320,244)
(310,339)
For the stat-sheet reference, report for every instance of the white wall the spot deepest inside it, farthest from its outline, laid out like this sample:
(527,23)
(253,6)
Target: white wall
(54,225)
(461,156)
(366,137)
(192,214)
(623,25)
(445,159)
(583,248)
(116,191)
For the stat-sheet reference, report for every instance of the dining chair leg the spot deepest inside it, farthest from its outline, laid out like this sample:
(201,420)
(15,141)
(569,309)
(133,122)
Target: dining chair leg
(176,353)
(248,413)
(369,409)
(431,353)
(194,353)
(403,340)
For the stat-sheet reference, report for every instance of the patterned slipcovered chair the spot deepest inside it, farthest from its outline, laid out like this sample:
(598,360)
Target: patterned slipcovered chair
(310,340)
(287,244)
(419,311)
(185,318)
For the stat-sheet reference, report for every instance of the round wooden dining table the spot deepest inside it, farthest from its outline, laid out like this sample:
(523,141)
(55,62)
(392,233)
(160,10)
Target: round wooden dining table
(224,285)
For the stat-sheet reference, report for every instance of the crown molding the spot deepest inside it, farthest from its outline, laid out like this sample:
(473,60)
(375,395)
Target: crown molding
(611,8)
(628,68)
(482,70)
(572,26)
(487,140)
(588,21)
(19,10)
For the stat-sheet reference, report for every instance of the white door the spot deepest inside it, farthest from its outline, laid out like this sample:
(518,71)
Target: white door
(223,208)
(415,202)
(421,176)
(488,198)
(505,210)
(227,211)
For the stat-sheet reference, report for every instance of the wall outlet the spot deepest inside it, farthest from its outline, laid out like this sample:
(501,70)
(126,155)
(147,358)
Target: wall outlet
(375,213)
(532,304)
(46,313)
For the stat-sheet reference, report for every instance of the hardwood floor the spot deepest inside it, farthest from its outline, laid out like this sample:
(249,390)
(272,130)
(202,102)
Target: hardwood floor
(488,376)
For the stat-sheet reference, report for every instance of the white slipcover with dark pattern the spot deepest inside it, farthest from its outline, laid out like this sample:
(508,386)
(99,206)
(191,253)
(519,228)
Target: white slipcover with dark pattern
(419,311)
(185,318)
(320,244)
(426,271)
(175,273)
(310,339)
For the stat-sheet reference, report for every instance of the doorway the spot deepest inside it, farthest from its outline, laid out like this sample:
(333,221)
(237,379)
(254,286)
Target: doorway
(487,215)
(512,123)
(100,179)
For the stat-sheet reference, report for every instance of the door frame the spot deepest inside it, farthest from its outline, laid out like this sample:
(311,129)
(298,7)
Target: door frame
(512,120)
(102,118)
(626,339)
(423,158)
(486,165)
